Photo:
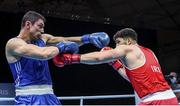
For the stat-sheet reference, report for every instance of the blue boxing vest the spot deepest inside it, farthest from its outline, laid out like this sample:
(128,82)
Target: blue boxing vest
(27,71)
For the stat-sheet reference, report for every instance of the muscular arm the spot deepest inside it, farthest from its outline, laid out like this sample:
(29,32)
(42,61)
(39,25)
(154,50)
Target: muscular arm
(18,47)
(50,39)
(105,56)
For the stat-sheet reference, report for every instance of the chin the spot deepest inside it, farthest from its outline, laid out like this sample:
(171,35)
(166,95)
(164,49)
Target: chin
(38,36)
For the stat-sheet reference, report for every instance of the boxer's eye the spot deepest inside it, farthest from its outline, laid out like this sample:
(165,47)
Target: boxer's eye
(117,42)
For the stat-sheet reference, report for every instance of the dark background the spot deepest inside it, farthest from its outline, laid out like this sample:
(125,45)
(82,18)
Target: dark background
(78,79)
(89,80)
(156,21)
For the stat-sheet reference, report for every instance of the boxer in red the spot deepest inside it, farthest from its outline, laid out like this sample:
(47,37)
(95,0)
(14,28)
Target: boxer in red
(140,65)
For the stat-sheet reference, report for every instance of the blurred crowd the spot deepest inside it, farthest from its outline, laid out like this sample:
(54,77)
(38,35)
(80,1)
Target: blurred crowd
(174,80)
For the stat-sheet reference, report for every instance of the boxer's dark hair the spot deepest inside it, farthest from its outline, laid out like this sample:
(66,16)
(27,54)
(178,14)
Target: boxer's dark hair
(31,16)
(125,33)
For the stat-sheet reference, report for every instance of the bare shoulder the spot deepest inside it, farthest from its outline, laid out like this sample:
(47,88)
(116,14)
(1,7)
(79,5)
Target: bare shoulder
(137,55)
(134,57)
(135,50)
(14,39)
(14,42)
(11,45)
(126,48)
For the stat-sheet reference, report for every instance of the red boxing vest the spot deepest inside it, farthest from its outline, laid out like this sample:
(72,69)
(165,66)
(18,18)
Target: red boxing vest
(148,78)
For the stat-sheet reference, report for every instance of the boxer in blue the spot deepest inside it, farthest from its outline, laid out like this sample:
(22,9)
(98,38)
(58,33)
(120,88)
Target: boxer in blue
(27,55)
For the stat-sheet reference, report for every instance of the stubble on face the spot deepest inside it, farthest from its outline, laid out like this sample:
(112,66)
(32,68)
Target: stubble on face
(37,29)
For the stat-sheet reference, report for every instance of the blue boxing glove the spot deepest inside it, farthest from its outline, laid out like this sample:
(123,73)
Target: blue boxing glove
(99,39)
(67,47)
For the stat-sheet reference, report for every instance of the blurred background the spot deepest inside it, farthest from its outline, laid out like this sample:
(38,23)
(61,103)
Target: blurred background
(157,23)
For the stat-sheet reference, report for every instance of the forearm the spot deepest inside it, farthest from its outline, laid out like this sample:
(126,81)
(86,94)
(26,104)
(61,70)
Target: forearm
(55,40)
(88,59)
(75,39)
(99,39)
(41,53)
(49,52)
(95,58)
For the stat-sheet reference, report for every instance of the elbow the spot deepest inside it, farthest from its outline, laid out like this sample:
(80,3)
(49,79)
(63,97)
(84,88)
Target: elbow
(48,55)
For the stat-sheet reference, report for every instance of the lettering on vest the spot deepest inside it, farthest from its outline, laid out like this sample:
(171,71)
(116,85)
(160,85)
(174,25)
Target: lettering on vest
(155,69)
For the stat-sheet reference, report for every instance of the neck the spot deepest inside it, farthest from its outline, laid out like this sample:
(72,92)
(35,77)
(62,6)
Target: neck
(133,42)
(24,35)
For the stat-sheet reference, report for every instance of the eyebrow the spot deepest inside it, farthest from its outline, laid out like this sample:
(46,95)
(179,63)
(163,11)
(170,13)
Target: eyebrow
(42,24)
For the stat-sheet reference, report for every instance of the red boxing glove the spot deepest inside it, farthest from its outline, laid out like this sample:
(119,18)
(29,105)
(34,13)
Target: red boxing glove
(115,64)
(66,59)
